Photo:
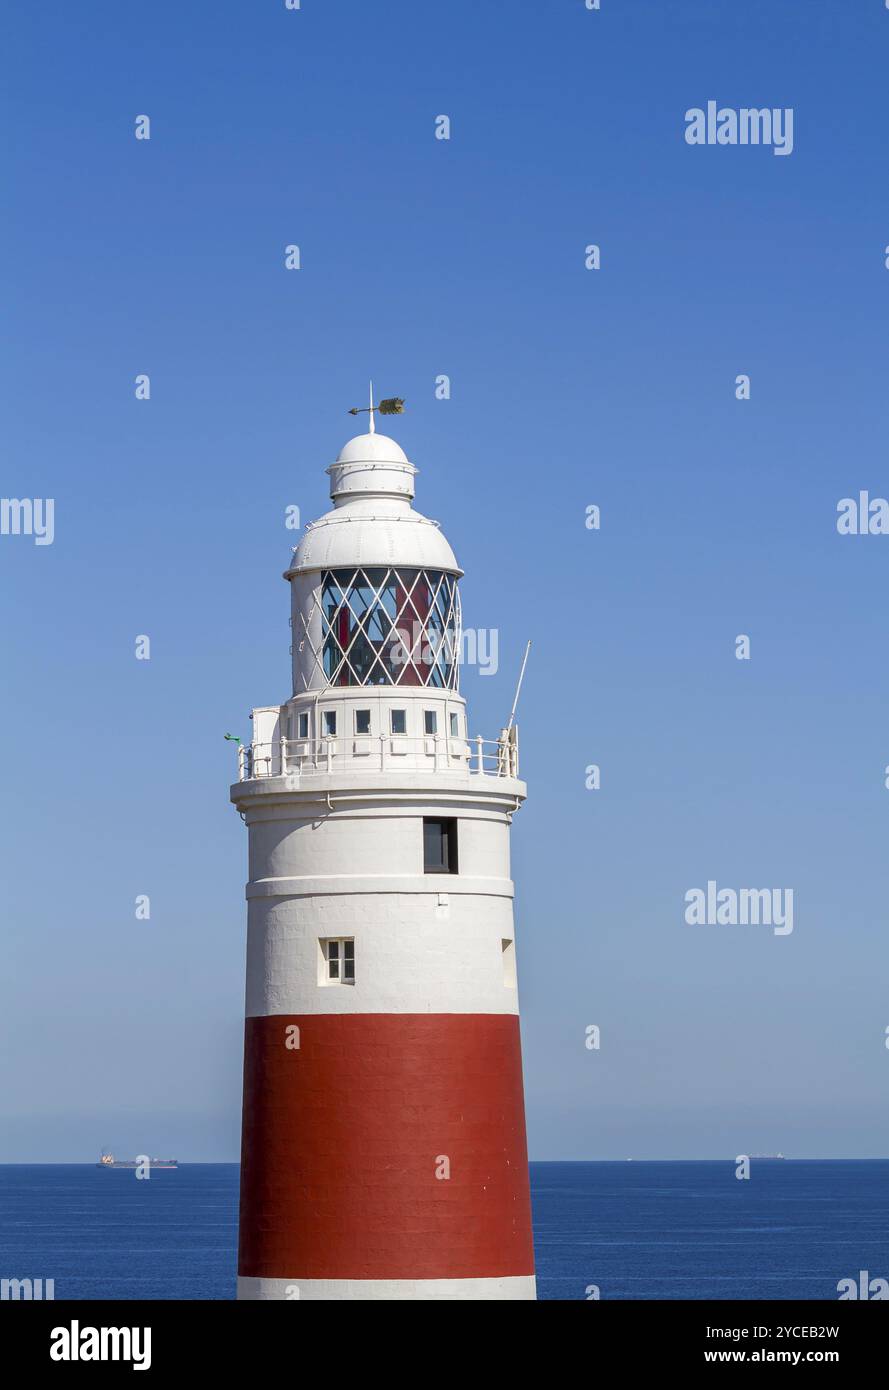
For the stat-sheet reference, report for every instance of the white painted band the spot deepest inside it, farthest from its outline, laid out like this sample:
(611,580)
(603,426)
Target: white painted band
(521,1287)
(414,953)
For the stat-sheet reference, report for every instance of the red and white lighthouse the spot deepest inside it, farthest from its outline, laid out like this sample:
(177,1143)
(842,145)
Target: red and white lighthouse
(383,1146)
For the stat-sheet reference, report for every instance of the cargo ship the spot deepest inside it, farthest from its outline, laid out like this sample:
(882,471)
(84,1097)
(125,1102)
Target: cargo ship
(109,1161)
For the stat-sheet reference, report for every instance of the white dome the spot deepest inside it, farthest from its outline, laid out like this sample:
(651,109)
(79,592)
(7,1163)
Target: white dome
(372,521)
(377,533)
(371,448)
(371,465)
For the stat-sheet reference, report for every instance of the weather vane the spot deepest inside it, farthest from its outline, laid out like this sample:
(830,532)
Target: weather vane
(392,405)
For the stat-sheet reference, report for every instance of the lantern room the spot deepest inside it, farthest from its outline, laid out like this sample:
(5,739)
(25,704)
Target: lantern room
(374,583)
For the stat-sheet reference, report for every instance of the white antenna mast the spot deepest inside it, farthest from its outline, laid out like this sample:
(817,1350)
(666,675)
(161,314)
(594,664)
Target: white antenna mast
(518,688)
(373,428)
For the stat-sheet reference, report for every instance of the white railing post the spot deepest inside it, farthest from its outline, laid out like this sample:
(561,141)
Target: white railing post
(505,758)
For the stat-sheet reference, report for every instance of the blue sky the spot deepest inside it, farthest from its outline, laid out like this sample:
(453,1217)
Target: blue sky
(569,388)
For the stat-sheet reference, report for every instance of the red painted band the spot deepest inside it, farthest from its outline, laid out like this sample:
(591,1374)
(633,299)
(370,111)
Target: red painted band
(343,1136)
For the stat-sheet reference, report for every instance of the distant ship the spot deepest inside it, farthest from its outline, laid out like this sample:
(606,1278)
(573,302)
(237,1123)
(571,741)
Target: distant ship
(771,1156)
(109,1161)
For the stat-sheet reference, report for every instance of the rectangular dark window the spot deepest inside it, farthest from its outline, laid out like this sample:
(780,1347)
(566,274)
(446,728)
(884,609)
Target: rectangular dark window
(304,725)
(399,721)
(439,846)
(362,721)
(430,721)
(455,726)
(330,722)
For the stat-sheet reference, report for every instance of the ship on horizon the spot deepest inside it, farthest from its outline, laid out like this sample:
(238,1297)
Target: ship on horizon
(107,1160)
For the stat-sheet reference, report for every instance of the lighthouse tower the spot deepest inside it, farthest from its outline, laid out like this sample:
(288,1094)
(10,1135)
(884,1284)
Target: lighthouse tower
(383,1144)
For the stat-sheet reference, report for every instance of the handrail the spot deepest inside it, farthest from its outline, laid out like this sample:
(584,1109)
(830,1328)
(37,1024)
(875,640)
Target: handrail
(302,757)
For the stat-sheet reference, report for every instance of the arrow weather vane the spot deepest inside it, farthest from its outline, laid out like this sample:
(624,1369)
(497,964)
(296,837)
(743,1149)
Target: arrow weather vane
(393,405)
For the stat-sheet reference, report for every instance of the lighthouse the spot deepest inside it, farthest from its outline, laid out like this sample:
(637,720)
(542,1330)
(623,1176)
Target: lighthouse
(383,1139)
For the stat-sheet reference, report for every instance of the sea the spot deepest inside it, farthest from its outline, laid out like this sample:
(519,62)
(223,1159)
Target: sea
(629,1230)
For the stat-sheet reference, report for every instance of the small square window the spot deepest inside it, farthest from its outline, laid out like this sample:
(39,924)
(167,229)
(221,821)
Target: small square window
(303,725)
(362,721)
(430,721)
(330,722)
(339,961)
(399,721)
(455,725)
(439,846)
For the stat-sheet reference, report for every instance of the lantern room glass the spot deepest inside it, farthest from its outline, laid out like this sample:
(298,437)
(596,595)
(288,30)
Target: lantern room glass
(390,627)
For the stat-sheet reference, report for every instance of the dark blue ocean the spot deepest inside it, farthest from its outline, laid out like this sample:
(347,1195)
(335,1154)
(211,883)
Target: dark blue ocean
(635,1230)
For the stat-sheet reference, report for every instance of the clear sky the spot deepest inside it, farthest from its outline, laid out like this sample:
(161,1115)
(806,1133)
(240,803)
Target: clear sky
(569,387)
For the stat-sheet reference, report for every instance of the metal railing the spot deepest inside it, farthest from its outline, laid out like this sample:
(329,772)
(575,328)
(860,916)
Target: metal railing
(300,757)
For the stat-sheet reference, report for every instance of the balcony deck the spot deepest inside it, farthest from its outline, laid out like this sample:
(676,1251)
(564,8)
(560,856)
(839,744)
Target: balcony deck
(299,758)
